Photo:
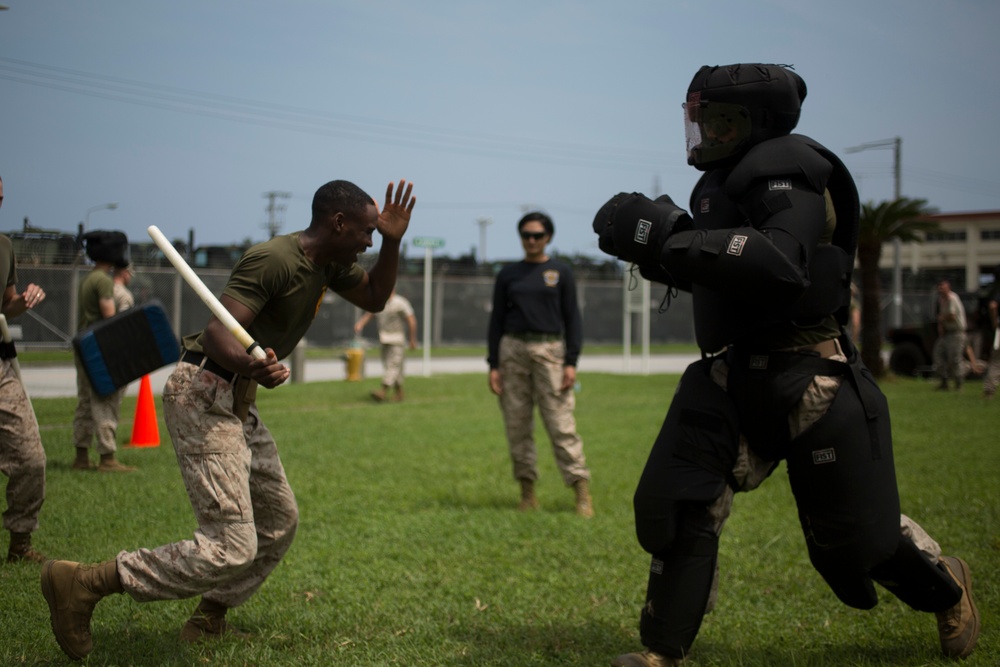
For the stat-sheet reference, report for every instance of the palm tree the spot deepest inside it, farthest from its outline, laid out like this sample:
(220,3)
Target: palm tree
(904,219)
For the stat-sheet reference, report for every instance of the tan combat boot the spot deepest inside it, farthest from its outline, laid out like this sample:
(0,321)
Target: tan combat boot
(958,627)
(72,591)
(378,395)
(584,504)
(528,499)
(110,464)
(208,621)
(21,551)
(82,460)
(645,659)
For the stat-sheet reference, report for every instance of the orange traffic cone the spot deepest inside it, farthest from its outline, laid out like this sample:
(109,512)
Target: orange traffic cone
(145,430)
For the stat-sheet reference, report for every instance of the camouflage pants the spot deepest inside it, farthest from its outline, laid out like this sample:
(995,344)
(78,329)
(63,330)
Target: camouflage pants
(246,511)
(393,358)
(948,351)
(95,415)
(750,470)
(532,374)
(22,458)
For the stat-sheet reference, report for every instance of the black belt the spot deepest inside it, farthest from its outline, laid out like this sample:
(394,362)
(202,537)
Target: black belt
(7,350)
(536,336)
(196,358)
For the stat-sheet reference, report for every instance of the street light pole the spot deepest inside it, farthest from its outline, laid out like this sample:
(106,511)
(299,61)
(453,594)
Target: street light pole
(483,224)
(896,143)
(86,219)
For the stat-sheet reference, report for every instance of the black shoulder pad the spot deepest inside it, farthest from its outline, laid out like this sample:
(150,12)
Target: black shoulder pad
(783,157)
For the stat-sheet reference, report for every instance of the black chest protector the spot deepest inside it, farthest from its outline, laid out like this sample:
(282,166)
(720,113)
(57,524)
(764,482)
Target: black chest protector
(718,201)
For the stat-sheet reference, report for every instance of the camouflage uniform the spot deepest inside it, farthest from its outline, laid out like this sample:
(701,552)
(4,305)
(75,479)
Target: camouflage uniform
(392,335)
(532,373)
(245,509)
(22,458)
(950,346)
(535,332)
(96,416)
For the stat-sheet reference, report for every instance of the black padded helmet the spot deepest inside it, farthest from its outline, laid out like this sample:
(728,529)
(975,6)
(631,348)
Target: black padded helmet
(107,246)
(731,108)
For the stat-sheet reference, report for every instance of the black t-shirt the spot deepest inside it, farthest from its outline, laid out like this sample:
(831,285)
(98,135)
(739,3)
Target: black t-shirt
(536,298)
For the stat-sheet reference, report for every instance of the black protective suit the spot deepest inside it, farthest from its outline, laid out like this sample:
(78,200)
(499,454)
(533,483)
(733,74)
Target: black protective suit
(767,254)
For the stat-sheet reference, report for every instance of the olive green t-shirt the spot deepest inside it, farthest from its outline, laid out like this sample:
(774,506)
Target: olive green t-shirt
(284,289)
(96,286)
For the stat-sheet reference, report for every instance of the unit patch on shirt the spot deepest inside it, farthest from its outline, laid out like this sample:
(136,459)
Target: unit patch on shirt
(551,277)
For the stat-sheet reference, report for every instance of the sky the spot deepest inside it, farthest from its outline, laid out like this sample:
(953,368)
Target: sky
(186,114)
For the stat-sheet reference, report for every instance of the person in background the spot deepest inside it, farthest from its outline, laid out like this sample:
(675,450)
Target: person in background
(951,345)
(22,458)
(96,416)
(122,277)
(397,326)
(534,341)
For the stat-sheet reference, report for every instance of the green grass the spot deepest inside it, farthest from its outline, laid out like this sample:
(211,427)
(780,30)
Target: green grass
(409,551)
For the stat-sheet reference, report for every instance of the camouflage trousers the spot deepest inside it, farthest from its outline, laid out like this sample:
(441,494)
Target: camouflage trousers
(750,470)
(22,458)
(393,358)
(95,415)
(532,373)
(246,511)
(948,351)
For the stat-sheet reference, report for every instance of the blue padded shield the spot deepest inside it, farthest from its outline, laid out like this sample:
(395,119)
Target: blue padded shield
(123,348)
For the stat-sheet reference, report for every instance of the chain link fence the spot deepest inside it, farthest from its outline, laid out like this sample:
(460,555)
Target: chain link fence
(460,308)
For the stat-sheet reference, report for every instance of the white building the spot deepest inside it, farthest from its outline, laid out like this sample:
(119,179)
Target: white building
(966,248)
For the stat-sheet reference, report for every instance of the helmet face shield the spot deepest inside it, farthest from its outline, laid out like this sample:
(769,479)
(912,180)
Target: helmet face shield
(714,130)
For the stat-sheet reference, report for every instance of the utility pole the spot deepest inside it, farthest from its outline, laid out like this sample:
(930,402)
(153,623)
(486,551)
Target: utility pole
(483,224)
(273,225)
(896,144)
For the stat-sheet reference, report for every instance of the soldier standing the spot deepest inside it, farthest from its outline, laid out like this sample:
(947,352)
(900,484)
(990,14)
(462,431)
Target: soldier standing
(22,458)
(535,336)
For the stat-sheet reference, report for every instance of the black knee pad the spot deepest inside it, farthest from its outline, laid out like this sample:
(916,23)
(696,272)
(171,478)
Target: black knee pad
(691,460)
(680,582)
(842,475)
(917,580)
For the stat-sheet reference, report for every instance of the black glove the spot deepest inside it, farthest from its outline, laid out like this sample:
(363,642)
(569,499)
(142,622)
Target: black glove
(634,228)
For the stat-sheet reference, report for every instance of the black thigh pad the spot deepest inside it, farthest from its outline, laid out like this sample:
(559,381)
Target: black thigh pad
(692,458)
(842,475)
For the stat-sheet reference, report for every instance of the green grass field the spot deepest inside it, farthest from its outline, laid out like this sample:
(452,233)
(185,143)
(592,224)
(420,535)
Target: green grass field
(409,551)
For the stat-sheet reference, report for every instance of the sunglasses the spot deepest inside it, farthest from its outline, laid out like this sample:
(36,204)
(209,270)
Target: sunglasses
(537,236)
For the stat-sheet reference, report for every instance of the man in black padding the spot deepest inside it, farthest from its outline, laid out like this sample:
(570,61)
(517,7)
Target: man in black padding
(767,254)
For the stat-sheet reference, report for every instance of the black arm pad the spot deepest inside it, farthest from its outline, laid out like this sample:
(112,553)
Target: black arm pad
(742,263)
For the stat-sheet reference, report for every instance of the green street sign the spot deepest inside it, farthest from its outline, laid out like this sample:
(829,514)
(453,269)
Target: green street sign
(428,242)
